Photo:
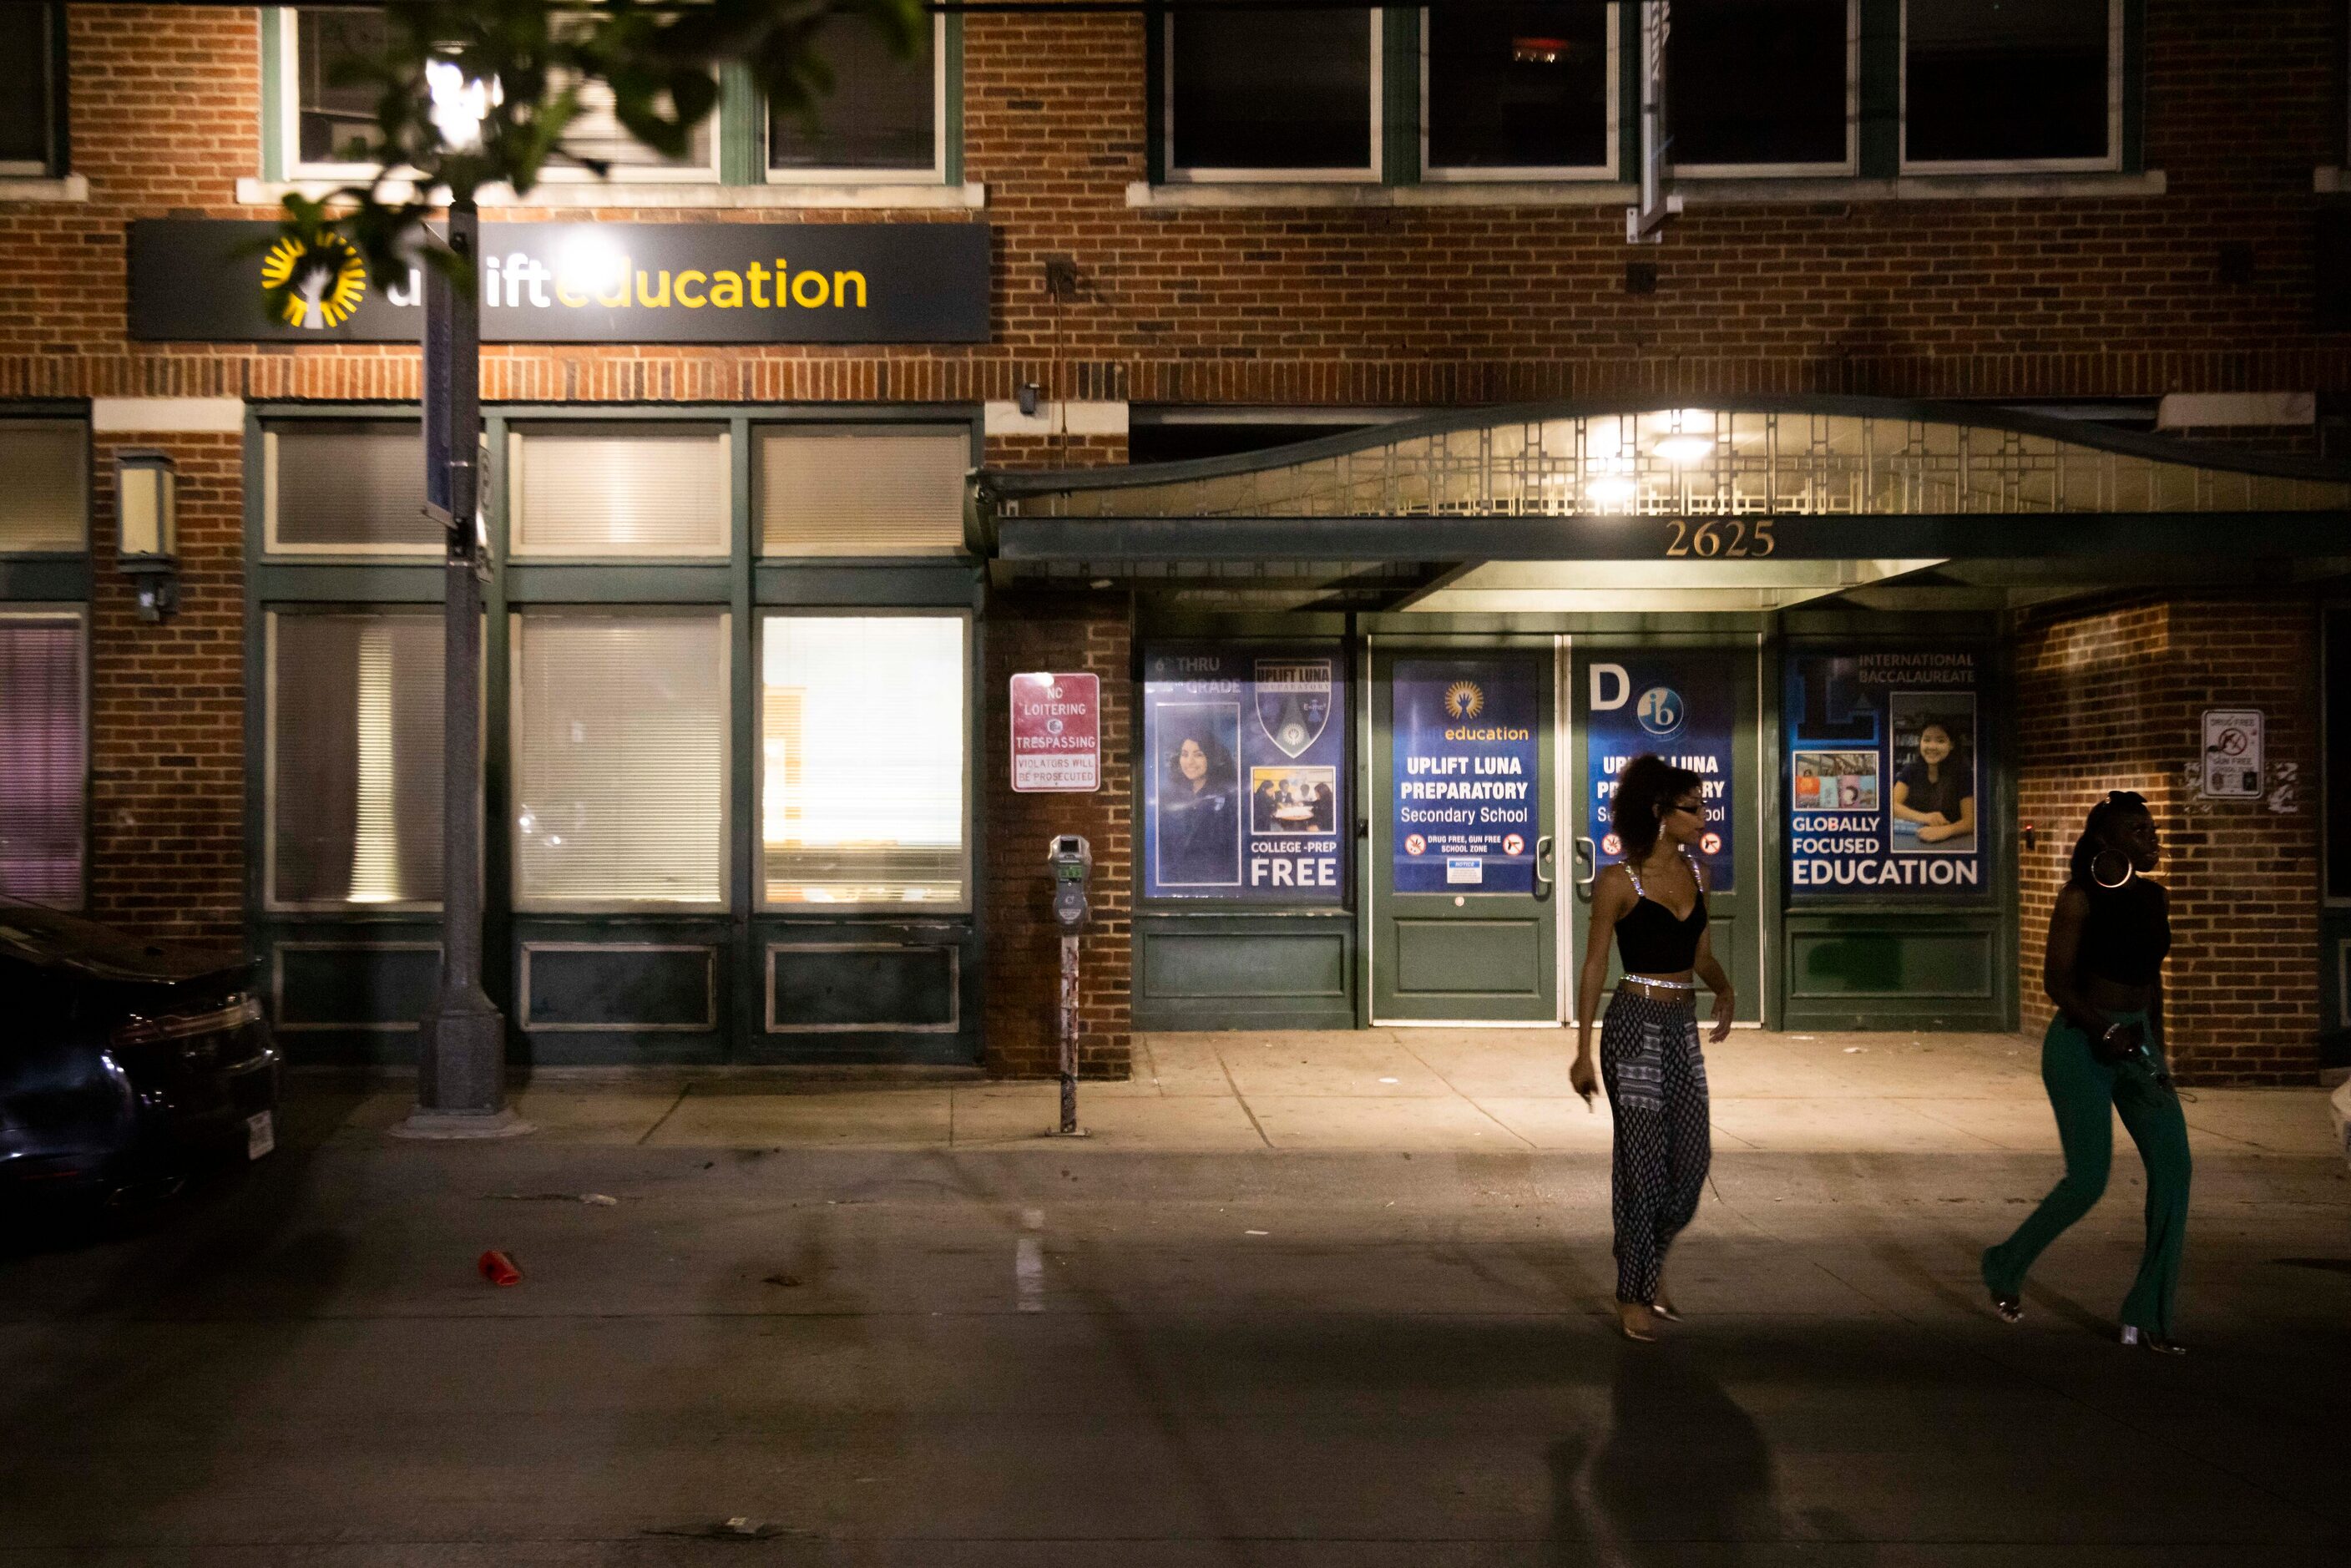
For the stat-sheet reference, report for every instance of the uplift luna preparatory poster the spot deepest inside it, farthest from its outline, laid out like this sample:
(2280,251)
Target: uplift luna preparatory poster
(1467,784)
(1245,758)
(1886,773)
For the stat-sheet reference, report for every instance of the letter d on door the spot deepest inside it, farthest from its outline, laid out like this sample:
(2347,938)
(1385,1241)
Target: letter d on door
(1603,697)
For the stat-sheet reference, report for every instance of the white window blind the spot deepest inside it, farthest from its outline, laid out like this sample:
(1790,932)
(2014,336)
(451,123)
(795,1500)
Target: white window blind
(348,484)
(44,496)
(355,786)
(862,759)
(620,758)
(838,493)
(596,132)
(620,490)
(43,757)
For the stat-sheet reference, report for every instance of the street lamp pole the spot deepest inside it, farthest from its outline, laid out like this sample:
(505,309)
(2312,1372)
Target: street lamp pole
(461,1044)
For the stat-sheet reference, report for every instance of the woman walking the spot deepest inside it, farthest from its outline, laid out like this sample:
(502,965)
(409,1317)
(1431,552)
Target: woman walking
(1652,905)
(2107,938)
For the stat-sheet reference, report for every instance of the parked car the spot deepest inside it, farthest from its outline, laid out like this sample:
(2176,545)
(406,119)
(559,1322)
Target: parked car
(125,1065)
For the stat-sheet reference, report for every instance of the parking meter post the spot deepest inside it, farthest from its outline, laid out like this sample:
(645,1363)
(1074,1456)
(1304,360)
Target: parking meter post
(1072,861)
(1068,1034)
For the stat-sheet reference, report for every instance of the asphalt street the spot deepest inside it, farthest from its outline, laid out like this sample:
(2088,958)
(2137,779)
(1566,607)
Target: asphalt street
(1030,1355)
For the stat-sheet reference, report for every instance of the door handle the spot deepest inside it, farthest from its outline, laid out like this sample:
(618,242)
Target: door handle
(1587,852)
(1544,879)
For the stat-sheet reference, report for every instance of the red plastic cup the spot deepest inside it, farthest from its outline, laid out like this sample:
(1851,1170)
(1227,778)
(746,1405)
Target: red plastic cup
(499,1269)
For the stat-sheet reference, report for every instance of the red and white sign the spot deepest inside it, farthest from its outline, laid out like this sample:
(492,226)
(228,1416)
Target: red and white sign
(1056,733)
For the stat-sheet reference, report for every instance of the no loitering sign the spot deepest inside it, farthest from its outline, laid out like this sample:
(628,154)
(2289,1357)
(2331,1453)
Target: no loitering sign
(1056,734)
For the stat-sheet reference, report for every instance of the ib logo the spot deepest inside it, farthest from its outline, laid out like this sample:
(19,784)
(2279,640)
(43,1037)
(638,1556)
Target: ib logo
(1660,709)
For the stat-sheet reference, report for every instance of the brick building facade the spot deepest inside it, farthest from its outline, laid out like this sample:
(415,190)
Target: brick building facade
(1141,300)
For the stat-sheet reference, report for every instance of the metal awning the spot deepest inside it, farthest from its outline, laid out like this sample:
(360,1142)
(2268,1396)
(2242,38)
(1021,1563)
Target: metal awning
(1740,503)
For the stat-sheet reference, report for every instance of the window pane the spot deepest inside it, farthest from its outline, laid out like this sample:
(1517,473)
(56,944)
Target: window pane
(43,758)
(355,757)
(878,492)
(349,483)
(25,110)
(620,758)
(45,503)
(1757,81)
(596,132)
(1991,80)
(862,764)
(620,490)
(1271,89)
(879,115)
(335,123)
(1519,86)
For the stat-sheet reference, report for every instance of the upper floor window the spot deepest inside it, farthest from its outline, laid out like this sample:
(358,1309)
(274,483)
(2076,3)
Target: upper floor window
(45,504)
(1265,92)
(1762,87)
(1998,84)
(1519,91)
(31,88)
(881,118)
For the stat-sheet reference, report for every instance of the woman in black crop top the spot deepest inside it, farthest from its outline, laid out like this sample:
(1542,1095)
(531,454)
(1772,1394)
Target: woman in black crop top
(1653,906)
(2107,938)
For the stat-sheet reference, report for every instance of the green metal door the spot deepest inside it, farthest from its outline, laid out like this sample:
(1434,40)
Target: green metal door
(1462,877)
(1696,707)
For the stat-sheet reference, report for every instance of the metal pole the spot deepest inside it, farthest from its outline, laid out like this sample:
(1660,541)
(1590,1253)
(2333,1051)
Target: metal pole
(461,1044)
(1069,1032)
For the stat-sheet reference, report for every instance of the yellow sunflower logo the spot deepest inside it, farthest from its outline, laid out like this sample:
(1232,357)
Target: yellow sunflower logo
(1463,699)
(325,281)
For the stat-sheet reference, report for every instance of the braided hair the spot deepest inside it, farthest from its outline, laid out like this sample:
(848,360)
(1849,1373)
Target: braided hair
(1648,784)
(2117,803)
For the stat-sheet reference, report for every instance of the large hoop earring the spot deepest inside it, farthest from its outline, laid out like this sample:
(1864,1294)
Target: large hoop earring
(2129,871)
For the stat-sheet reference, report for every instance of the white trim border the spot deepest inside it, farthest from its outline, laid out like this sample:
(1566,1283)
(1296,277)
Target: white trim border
(173,415)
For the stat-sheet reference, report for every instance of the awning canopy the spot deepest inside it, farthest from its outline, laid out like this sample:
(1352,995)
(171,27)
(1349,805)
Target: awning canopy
(1746,503)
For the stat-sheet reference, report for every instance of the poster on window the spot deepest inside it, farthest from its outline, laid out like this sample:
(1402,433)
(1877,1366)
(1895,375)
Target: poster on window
(1467,784)
(1681,706)
(1885,773)
(1245,773)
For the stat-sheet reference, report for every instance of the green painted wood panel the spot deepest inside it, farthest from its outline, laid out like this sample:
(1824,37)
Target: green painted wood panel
(841,986)
(328,983)
(1310,964)
(607,986)
(1472,959)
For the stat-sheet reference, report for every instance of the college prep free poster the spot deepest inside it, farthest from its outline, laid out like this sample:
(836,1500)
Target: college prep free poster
(1887,777)
(1466,781)
(1246,766)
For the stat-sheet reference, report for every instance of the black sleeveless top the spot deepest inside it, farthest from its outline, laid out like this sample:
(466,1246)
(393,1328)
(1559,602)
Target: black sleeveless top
(1650,940)
(2125,935)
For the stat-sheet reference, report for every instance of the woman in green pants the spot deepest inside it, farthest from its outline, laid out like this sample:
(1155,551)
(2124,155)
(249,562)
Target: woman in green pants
(2107,942)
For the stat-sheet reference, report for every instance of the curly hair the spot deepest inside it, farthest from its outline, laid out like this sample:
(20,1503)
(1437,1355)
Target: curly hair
(2117,803)
(1644,790)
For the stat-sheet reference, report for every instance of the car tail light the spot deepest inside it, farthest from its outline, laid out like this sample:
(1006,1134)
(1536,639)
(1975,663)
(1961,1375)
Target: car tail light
(236,1013)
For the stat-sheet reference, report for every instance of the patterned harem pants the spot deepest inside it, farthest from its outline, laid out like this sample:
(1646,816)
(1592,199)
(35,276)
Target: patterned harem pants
(1649,1059)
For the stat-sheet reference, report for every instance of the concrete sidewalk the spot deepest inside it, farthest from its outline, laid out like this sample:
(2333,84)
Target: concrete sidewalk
(1436,1089)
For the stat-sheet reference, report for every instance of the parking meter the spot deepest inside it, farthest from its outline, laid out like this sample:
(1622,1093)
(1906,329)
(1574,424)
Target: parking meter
(1072,860)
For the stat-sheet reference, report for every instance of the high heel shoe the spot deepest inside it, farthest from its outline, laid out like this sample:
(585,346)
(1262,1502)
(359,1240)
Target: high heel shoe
(2010,1308)
(2135,1335)
(1664,1309)
(1634,1319)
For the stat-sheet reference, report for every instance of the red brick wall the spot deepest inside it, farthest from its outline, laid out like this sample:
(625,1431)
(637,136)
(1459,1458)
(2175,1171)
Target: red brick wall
(2110,695)
(167,709)
(1072,633)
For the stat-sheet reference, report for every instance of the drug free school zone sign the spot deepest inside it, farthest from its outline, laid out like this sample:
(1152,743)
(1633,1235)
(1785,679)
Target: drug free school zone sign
(194,280)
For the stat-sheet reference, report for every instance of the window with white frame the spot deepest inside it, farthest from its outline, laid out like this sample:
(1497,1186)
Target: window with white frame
(1995,84)
(1256,93)
(863,760)
(612,491)
(865,490)
(1762,87)
(29,89)
(44,754)
(619,730)
(1519,91)
(880,120)
(45,503)
(345,486)
(354,774)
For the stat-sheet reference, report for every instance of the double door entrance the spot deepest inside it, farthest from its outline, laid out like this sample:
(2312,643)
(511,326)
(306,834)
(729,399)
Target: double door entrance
(1491,769)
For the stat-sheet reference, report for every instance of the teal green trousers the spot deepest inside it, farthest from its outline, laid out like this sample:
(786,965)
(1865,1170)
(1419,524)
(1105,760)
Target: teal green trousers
(2081,1088)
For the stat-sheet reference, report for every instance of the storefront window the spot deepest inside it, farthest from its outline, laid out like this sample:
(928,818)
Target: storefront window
(881,114)
(863,492)
(590,492)
(618,728)
(1520,87)
(1990,82)
(355,777)
(1267,89)
(1888,789)
(1760,84)
(43,756)
(863,760)
(347,486)
(27,103)
(45,504)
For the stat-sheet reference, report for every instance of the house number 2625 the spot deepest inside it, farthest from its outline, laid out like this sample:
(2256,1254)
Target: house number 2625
(1732,537)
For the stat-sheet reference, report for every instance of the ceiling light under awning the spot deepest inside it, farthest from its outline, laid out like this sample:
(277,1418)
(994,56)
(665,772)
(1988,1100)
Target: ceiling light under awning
(1682,446)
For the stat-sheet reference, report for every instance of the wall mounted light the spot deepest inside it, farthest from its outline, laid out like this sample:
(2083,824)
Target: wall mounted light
(1027,394)
(146,529)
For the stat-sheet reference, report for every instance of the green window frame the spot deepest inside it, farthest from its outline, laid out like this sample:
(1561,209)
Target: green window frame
(49,53)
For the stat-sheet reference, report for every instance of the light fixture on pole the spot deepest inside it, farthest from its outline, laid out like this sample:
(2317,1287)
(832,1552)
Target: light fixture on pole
(146,529)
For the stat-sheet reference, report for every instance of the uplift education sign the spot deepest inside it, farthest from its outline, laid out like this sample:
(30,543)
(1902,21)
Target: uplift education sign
(196,280)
